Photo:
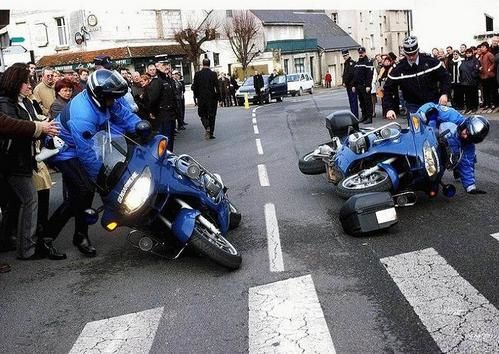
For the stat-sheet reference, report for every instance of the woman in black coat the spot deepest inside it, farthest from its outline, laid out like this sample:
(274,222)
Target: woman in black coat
(17,159)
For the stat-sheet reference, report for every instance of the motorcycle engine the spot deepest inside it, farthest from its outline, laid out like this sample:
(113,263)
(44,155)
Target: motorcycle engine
(357,143)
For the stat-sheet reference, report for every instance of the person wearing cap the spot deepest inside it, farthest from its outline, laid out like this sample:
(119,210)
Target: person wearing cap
(363,75)
(103,62)
(347,77)
(420,77)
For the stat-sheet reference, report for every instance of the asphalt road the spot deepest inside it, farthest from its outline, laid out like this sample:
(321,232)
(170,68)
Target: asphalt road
(44,305)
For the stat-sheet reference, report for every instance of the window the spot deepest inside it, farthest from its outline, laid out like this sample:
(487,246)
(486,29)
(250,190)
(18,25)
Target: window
(334,17)
(286,66)
(62,31)
(380,30)
(372,41)
(216,59)
(228,13)
(299,65)
(371,17)
(386,42)
(349,29)
(384,20)
(489,23)
(360,14)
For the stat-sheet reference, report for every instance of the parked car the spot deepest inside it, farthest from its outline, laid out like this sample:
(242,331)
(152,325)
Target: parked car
(277,89)
(299,83)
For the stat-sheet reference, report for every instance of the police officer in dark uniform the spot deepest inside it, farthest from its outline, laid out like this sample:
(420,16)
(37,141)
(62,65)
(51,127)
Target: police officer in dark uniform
(362,81)
(421,78)
(348,82)
(162,101)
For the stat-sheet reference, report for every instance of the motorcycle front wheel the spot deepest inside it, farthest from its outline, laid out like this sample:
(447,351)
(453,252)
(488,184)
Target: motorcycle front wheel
(378,181)
(215,246)
(308,165)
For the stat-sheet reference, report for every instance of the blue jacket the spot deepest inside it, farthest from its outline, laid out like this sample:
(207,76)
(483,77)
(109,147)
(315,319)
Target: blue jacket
(81,119)
(448,118)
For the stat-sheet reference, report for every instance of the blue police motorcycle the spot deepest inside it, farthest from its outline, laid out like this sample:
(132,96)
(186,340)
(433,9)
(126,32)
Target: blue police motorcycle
(169,201)
(389,158)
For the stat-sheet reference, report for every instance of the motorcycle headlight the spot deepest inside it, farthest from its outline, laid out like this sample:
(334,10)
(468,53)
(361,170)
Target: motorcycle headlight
(431,163)
(139,192)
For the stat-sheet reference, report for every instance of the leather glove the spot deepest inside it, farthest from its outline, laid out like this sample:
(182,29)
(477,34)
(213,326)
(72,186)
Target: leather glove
(477,191)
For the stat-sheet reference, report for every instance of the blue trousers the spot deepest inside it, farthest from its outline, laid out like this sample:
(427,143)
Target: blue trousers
(353,101)
(167,128)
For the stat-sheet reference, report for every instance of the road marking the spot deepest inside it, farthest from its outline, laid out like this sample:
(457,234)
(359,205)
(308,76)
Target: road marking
(457,316)
(273,239)
(263,176)
(254,110)
(254,120)
(131,333)
(286,317)
(253,114)
(259,147)
(255,129)
(496,236)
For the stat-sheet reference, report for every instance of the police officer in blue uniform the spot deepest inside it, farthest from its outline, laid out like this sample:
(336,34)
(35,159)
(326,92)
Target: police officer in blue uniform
(363,74)
(464,133)
(421,78)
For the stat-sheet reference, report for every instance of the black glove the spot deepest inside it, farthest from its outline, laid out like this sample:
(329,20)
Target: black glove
(477,191)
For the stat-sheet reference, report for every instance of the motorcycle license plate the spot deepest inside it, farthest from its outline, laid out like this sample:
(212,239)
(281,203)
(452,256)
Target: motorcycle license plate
(386,215)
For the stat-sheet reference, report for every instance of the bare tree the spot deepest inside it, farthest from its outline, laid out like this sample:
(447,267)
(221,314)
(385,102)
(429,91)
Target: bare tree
(242,31)
(193,36)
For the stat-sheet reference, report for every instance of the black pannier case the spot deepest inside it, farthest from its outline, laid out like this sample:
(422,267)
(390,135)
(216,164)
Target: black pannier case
(367,212)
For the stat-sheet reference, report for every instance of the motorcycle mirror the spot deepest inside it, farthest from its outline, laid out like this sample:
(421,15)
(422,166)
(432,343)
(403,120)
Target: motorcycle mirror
(143,129)
(449,190)
(91,216)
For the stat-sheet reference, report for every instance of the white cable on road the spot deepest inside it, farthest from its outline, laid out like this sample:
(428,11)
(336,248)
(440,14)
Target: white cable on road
(496,236)
(286,317)
(273,239)
(263,176)
(259,147)
(457,316)
(131,333)
(255,129)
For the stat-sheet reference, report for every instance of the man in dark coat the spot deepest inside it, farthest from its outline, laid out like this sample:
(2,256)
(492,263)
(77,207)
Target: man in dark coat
(362,83)
(348,82)
(420,77)
(207,94)
(258,84)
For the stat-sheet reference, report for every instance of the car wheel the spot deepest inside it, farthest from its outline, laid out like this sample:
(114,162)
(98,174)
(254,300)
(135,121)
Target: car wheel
(268,98)
(300,92)
(311,90)
(293,94)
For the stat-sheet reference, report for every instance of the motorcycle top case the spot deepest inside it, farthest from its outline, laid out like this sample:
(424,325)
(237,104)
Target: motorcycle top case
(367,212)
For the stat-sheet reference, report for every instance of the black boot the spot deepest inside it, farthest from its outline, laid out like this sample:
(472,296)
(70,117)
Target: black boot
(45,248)
(82,242)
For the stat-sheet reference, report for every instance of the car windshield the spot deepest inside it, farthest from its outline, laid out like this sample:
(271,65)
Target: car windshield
(249,80)
(292,78)
(110,149)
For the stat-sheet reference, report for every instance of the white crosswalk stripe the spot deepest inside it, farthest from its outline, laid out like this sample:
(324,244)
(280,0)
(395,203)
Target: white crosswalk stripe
(286,317)
(131,333)
(457,316)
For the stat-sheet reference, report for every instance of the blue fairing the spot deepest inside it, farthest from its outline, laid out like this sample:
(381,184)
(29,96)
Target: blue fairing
(184,223)
(167,181)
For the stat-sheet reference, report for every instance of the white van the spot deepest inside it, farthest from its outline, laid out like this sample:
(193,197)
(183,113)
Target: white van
(299,83)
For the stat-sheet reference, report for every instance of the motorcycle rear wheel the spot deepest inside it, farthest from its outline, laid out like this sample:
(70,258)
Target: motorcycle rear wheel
(310,166)
(215,247)
(378,181)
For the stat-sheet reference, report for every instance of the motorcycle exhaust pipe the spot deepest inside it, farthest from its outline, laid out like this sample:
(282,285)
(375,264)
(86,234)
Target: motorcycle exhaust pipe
(376,168)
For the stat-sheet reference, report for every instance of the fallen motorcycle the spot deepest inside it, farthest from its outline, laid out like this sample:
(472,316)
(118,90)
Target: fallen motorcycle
(388,158)
(170,202)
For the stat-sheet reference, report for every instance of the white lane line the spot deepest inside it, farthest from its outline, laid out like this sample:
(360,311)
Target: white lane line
(273,239)
(253,115)
(131,333)
(457,316)
(254,120)
(259,147)
(263,176)
(255,129)
(286,317)
(254,110)
(496,236)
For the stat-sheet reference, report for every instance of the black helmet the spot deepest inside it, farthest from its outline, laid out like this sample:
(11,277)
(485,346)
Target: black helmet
(477,126)
(104,84)
(410,45)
